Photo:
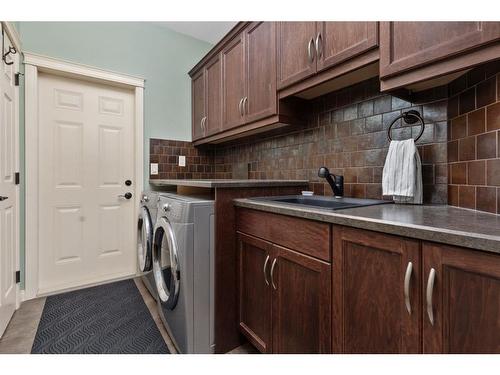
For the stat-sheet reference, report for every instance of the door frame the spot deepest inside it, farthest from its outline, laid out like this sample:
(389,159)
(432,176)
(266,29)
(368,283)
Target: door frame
(13,35)
(35,63)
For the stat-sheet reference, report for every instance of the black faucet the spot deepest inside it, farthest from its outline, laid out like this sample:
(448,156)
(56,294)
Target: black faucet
(337,182)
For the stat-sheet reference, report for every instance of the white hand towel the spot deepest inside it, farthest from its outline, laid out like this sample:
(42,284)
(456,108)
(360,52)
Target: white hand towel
(402,174)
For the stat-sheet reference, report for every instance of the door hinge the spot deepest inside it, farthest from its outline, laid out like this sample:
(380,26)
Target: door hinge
(16,178)
(17,77)
(18,277)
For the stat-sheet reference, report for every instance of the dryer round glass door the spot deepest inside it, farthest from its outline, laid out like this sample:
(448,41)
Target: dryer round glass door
(145,240)
(166,264)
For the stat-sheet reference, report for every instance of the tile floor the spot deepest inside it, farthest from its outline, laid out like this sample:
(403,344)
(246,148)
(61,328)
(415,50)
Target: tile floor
(20,334)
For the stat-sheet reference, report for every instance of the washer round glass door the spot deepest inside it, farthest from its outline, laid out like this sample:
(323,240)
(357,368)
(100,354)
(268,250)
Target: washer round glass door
(145,240)
(166,264)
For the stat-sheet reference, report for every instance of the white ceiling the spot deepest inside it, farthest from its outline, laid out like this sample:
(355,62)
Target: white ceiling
(210,32)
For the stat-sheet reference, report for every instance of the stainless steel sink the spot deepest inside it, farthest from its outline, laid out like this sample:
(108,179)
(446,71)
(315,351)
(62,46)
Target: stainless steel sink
(329,203)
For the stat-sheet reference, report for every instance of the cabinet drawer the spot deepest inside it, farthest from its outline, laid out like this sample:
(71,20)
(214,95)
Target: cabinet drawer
(305,236)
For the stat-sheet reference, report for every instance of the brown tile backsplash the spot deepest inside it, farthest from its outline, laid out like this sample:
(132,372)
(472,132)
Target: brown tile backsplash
(475,127)
(200,163)
(346,131)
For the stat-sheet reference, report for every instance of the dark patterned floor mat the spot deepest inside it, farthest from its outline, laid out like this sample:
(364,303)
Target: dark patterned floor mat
(107,319)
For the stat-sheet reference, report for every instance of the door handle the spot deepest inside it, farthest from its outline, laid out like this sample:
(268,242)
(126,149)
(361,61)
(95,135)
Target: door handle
(203,124)
(265,266)
(126,195)
(3,198)
(272,273)
(310,52)
(409,271)
(240,107)
(429,291)
(245,101)
(319,45)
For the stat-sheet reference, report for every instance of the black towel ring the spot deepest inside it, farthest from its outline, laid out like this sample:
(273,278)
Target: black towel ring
(410,117)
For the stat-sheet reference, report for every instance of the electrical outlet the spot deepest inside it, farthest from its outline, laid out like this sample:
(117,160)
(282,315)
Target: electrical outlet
(182,161)
(154,169)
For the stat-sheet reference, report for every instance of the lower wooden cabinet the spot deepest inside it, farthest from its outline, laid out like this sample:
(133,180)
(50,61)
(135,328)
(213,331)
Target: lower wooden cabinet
(380,293)
(462,300)
(301,303)
(448,303)
(376,293)
(285,298)
(255,317)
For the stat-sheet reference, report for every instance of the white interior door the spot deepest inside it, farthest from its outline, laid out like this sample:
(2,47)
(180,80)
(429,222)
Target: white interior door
(86,153)
(9,163)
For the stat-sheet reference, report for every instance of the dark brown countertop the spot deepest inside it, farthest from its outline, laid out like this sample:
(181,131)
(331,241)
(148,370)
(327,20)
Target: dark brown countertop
(228,183)
(444,224)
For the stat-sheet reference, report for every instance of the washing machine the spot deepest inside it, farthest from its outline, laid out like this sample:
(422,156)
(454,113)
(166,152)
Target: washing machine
(146,223)
(183,269)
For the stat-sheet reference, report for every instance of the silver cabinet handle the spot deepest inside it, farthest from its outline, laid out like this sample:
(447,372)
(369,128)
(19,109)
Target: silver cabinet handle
(245,101)
(319,45)
(409,271)
(310,52)
(429,291)
(272,272)
(204,124)
(265,266)
(240,105)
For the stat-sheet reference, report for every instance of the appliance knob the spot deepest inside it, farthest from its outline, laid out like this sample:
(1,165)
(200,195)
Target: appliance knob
(145,198)
(166,207)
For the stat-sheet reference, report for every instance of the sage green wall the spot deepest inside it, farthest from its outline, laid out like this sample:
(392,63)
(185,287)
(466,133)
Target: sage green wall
(161,56)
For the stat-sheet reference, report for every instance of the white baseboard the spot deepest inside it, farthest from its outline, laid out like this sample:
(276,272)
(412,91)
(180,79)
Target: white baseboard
(86,285)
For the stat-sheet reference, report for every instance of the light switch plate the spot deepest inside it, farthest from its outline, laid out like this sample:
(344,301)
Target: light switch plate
(154,169)
(182,161)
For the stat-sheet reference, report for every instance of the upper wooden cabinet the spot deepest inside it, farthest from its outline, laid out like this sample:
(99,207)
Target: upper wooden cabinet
(340,41)
(411,52)
(296,51)
(306,48)
(461,301)
(198,104)
(249,75)
(260,46)
(246,83)
(213,95)
(206,91)
(377,293)
(233,83)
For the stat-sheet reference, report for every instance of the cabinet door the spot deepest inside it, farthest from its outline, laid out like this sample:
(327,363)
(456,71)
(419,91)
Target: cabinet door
(296,52)
(429,42)
(339,41)
(373,312)
(233,82)
(255,291)
(464,302)
(198,104)
(301,303)
(213,75)
(260,44)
